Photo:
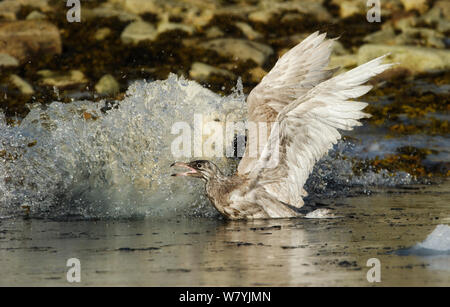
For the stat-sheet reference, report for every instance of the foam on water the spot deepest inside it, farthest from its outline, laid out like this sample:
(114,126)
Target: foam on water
(438,240)
(75,159)
(436,245)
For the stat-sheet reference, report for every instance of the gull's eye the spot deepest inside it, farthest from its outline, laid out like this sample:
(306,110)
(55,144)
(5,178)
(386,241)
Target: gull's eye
(199,165)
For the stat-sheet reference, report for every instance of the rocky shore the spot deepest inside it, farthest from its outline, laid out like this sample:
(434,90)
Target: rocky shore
(43,57)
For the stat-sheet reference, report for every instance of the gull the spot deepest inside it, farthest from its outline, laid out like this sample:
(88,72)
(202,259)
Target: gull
(307,106)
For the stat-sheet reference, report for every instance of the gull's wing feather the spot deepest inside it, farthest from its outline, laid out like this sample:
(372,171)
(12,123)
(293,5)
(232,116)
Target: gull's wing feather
(295,73)
(308,129)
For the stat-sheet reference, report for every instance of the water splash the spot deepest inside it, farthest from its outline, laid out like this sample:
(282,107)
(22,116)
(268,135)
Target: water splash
(72,159)
(79,160)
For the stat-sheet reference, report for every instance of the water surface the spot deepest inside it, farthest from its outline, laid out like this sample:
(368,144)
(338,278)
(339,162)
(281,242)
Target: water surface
(213,252)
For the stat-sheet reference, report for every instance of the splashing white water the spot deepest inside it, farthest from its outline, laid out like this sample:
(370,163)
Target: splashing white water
(92,164)
(74,159)
(438,240)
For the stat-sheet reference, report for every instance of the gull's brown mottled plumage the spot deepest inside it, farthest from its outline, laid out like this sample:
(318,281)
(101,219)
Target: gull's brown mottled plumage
(308,106)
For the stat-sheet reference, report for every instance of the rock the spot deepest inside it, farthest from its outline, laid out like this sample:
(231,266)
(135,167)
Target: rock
(108,10)
(58,79)
(24,38)
(198,17)
(339,49)
(240,49)
(409,36)
(384,36)
(6,60)
(291,17)
(419,5)
(350,7)
(256,74)
(416,59)
(107,85)
(102,33)
(405,23)
(214,32)
(310,7)
(436,17)
(345,62)
(42,5)
(421,37)
(262,16)
(137,6)
(36,15)
(170,26)
(9,9)
(138,31)
(444,7)
(24,87)
(201,71)
(248,31)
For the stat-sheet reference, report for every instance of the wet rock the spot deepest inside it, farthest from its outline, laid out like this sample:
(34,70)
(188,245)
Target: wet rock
(345,62)
(419,5)
(416,59)
(262,16)
(108,10)
(444,7)
(240,49)
(291,17)
(384,36)
(310,7)
(107,85)
(409,36)
(24,87)
(24,38)
(137,6)
(421,37)
(256,74)
(170,26)
(59,79)
(198,17)
(7,60)
(248,31)
(214,32)
(102,33)
(36,15)
(9,9)
(339,49)
(138,31)
(437,18)
(200,71)
(350,7)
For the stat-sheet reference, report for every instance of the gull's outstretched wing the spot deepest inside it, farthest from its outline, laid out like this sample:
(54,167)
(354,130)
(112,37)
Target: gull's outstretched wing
(308,128)
(295,73)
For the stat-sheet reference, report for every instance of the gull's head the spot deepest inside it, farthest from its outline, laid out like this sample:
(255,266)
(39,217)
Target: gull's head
(202,169)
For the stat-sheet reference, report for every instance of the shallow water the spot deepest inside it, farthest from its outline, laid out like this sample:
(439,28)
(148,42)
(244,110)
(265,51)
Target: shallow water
(214,252)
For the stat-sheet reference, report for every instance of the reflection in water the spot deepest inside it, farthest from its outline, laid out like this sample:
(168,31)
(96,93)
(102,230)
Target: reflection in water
(213,252)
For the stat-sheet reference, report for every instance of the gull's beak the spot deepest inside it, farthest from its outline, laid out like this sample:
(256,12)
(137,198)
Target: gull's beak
(191,171)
